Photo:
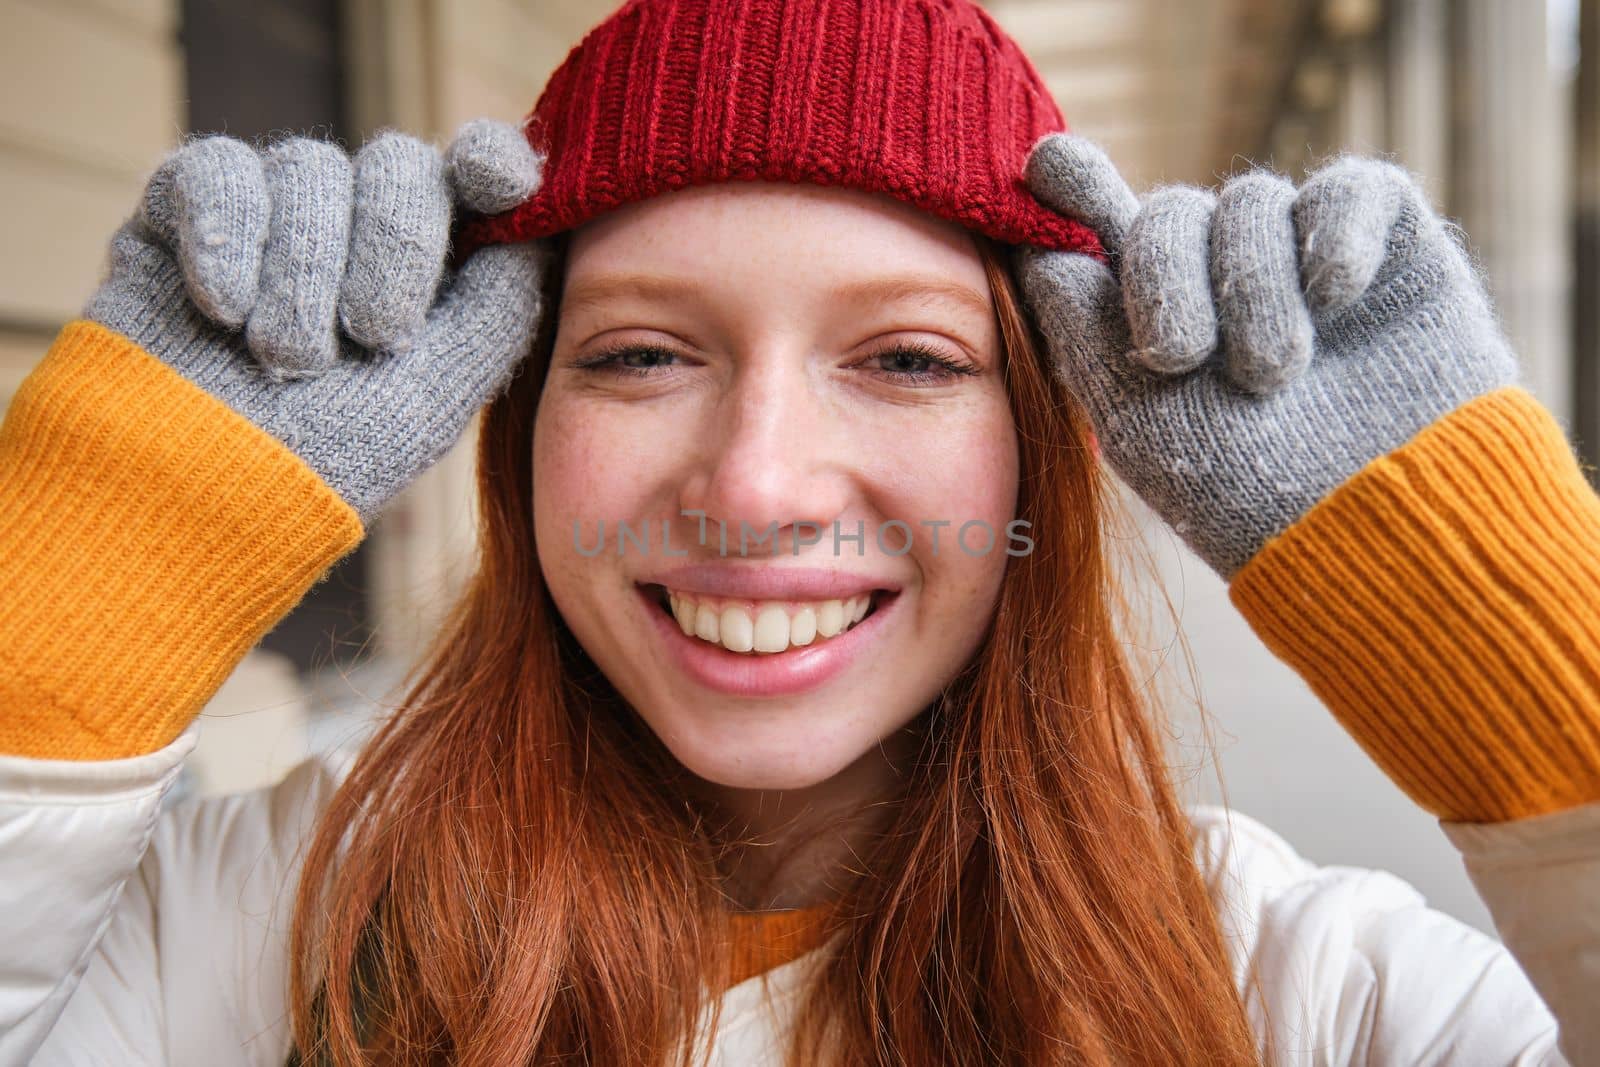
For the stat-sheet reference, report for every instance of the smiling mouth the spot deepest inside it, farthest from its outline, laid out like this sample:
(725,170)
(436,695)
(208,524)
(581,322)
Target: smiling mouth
(766,627)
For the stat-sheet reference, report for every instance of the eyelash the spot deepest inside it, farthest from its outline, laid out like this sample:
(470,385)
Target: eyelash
(609,361)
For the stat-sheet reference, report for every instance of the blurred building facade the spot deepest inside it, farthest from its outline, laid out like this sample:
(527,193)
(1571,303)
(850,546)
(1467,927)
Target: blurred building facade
(1492,102)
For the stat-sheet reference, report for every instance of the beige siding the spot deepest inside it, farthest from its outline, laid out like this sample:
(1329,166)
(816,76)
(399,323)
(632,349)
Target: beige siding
(92,98)
(481,58)
(496,55)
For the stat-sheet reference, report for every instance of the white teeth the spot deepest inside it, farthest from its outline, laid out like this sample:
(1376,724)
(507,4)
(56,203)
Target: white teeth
(803,627)
(705,623)
(737,630)
(765,627)
(683,611)
(830,618)
(772,629)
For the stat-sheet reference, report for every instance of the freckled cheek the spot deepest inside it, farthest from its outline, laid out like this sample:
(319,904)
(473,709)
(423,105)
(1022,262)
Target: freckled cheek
(965,473)
(957,471)
(561,458)
(987,477)
(582,474)
(587,463)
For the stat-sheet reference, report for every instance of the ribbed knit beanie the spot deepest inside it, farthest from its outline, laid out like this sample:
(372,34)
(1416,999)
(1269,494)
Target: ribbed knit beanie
(928,101)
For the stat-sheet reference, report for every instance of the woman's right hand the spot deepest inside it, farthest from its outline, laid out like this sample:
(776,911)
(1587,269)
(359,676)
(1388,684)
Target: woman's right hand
(310,292)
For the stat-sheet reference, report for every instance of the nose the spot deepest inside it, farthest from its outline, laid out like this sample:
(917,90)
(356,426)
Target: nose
(773,454)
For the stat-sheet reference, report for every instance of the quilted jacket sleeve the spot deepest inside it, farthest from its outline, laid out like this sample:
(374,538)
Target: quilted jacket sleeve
(1349,966)
(72,834)
(1540,877)
(163,939)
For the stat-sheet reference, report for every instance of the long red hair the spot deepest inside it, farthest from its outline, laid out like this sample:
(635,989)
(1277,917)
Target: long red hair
(511,872)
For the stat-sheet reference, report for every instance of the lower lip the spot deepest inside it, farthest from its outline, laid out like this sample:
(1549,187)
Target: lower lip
(775,674)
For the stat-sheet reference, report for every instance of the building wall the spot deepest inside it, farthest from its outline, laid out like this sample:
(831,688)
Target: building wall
(427,67)
(94,95)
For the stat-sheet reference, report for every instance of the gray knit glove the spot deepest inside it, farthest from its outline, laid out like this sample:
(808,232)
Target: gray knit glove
(1250,351)
(309,292)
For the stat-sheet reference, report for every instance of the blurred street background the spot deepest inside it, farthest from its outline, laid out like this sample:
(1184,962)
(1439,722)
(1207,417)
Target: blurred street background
(1496,103)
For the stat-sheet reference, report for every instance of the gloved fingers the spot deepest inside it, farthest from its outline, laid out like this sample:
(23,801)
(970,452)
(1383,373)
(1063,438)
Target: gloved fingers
(1166,280)
(1077,305)
(293,329)
(482,326)
(399,240)
(1073,176)
(1266,328)
(492,166)
(145,283)
(1344,215)
(1423,239)
(208,203)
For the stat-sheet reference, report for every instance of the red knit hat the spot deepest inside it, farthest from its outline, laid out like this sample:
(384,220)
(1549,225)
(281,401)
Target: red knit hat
(928,101)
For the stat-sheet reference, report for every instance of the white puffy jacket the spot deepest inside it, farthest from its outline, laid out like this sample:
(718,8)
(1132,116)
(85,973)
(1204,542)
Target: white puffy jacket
(137,934)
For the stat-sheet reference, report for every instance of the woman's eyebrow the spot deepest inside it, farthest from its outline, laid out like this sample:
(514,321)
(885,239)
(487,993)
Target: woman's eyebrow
(915,288)
(601,290)
(886,289)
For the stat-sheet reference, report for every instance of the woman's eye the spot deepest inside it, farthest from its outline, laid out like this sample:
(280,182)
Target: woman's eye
(634,361)
(908,364)
(918,364)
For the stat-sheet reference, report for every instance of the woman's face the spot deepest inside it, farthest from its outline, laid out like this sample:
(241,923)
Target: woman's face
(770,355)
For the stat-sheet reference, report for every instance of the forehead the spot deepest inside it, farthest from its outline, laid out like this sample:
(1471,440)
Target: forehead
(767,230)
(765,223)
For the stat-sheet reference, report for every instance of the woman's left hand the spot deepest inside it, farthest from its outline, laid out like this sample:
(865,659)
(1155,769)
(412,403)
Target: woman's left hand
(1246,353)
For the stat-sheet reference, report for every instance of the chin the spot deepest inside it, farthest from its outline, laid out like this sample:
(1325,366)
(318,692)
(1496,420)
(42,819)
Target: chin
(793,763)
(745,776)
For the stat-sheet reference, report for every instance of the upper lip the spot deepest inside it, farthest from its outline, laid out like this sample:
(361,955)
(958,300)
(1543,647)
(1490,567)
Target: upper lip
(768,582)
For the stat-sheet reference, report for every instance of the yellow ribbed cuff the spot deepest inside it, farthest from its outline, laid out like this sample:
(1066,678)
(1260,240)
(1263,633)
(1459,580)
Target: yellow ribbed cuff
(1445,604)
(149,536)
